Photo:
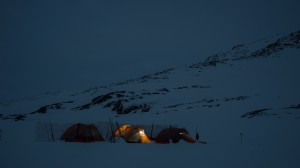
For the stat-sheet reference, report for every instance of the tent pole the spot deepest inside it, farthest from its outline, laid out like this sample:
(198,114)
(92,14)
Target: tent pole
(152,131)
(112,131)
(119,130)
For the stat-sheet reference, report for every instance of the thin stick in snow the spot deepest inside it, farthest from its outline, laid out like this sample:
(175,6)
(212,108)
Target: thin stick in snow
(241,134)
(52,135)
(0,134)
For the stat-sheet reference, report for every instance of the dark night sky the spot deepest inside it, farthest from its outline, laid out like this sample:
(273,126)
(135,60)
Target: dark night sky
(72,44)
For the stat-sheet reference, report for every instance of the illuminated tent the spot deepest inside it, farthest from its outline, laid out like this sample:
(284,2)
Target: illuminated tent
(132,134)
(82,133)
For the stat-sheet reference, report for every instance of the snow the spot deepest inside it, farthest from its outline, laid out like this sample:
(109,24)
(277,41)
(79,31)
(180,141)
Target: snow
(60,154)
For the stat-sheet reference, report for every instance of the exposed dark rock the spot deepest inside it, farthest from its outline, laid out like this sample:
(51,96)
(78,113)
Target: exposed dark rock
(4,104)
(117,102)
(15,117)
(101,99)
(131,109)
(289,41)
(163,72)
(181,87)
(146,108)
(52,106)
(83,107)
(297,106)
(209,100)
(237,47)
(213,61)
(211,105)
(252,114)
(268,50)
(163,90)
(173,106)
(20,117)
(155,76)
(42,109)
(237,98)
(108,96)
(115,105)
(191,104)
(156,93)
(201,86)
(120,108)
(119,95)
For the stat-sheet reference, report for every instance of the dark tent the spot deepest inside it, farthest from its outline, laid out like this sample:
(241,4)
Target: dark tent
(174,134)
(82,133)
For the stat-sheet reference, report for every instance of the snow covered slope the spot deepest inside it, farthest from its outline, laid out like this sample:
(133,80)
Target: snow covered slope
(244,102)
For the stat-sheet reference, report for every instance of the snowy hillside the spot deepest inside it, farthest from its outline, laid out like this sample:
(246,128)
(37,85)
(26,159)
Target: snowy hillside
(193,87)
(244,102)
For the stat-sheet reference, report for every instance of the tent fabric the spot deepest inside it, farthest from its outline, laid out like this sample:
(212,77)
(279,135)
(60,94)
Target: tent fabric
(132,134)
(82,133)
(174,134)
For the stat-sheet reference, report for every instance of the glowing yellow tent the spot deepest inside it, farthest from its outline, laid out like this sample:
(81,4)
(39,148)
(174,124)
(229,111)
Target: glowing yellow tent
(132,134)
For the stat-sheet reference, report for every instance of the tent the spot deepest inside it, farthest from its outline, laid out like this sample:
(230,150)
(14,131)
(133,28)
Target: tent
(82,133)
(174,134)
(132,134)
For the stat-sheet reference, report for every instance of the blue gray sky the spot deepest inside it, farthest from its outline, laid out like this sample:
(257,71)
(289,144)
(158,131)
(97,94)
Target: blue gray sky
(48,45)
